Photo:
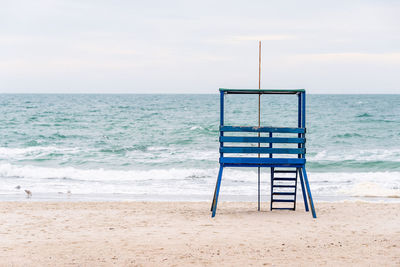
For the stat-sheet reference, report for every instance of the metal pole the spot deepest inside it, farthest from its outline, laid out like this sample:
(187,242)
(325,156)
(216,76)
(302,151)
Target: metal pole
(259,115)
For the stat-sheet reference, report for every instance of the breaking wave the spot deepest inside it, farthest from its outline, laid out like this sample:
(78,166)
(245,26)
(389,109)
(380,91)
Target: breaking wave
(189,181)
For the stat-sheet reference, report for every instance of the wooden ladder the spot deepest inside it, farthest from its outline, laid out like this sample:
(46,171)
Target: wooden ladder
(283,187)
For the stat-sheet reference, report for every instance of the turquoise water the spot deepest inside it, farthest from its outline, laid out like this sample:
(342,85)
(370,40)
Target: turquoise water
(162,147)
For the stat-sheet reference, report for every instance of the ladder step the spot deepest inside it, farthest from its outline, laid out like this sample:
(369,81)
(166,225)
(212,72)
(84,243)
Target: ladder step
(284,193)
(284,179)
(286,187)
(282,200)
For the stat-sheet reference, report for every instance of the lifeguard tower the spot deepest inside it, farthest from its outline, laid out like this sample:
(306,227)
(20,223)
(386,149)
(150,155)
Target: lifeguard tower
(261,147)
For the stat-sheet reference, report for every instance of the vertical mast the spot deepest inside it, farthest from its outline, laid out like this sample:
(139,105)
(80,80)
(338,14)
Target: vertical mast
(259,81)
(259,113)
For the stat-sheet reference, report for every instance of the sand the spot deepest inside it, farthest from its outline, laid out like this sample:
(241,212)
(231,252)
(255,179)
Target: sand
(182,233)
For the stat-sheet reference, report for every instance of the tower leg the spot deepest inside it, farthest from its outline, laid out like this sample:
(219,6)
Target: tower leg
(303,189)
(309,192)
(216,193)
(258,187)
(272,186)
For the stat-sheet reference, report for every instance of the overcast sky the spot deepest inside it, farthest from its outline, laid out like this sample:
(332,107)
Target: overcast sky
(172,46)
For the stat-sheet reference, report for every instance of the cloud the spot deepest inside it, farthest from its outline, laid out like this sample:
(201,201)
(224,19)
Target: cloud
(359,57)
(15,39)
(252,38)
(107,49)
(98,44)
(271,37)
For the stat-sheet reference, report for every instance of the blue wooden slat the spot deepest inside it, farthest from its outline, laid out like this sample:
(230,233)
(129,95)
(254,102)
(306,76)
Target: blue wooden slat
(251,139)
(262,150)
(238,160)
(269,165)
(261,129)
(284,186)
(261,91)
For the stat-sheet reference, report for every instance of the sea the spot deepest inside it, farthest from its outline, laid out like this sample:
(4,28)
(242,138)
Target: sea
(164,147)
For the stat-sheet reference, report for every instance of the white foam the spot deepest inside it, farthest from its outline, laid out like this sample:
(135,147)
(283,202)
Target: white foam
(9,152)
(158,148)
(371,189)
(356,184)
(358,155)
(189,181)
(35,172)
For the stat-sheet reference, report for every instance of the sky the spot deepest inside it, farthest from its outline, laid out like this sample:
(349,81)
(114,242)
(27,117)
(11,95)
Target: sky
(71,46)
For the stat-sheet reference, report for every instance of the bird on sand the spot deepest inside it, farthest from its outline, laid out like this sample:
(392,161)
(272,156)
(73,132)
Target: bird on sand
(28,193)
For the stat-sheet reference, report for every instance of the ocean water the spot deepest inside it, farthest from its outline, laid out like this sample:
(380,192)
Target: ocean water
(165,147)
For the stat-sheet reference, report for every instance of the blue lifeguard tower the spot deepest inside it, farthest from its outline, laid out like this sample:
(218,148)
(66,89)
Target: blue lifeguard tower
(262,151)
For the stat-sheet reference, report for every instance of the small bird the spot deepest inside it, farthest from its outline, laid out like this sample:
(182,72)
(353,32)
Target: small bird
(28,193)
(18,187)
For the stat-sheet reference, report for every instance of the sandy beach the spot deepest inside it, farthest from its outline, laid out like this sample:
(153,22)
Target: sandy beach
(182,233)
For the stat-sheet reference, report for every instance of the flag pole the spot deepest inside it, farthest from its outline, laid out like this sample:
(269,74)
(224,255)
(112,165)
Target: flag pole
(259,114)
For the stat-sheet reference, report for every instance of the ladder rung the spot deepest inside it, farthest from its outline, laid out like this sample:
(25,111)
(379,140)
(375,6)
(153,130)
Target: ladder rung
(284,179)
(282,200)
(284,171)
(289,186)
(284,193)
(283,208)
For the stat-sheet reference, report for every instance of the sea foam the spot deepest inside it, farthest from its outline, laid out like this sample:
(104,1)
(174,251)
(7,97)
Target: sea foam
(189,181)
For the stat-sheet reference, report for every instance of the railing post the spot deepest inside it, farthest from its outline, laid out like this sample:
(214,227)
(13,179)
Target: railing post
(221,99)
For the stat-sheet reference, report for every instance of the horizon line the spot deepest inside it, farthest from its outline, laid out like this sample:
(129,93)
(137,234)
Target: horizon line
(163,93)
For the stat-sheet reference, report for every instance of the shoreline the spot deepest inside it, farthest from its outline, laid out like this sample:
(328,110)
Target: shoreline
(64,197)
(183,233)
